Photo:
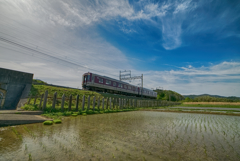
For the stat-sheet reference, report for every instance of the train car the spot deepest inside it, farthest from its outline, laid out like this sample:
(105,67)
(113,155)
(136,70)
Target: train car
(101,83)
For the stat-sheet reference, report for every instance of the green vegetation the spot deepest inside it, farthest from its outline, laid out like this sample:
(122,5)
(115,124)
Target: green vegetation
(207,98)
(47,123)
(59,115)
(37,81)
(40,89)
(57,121)
(168,95)
(16,132)
(209,105)
(105,95)
(30,107)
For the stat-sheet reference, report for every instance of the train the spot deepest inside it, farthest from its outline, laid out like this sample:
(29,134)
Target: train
(99,83)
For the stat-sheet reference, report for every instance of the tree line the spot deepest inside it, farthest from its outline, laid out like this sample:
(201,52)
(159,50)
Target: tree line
(168,95)
(210,99)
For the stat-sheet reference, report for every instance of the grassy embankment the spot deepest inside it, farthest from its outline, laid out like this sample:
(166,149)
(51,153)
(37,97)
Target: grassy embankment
(58,114)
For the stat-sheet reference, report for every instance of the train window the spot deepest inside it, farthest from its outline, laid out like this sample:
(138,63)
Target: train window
(88,77)
(120,85)
(108,82)
(100,80)
(129,87)
(125,86)
(114,83)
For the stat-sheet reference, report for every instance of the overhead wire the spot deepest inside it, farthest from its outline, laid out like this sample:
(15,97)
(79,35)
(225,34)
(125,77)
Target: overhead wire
(41,48)
(31,54)
(55,41)
(48,55)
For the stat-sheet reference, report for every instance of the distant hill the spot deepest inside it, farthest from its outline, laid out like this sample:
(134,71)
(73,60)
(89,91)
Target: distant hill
(207,97)
(168,95)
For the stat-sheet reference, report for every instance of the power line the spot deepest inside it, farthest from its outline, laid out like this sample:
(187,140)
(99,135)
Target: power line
(45,54)
(47,50)
(55,41)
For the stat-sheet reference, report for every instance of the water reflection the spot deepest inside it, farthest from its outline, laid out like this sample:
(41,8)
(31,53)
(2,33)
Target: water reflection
(126,136)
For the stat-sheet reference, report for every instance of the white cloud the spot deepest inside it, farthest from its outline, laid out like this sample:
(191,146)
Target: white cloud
(171,32)
(182,6)
(47,26)
(221,79)
(64,29)
(74,14)
(31,64)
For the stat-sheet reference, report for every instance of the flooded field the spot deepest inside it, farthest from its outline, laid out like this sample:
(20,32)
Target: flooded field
(124,136)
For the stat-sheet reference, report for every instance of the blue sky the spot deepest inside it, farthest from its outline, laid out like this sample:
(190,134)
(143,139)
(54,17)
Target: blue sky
(191,47)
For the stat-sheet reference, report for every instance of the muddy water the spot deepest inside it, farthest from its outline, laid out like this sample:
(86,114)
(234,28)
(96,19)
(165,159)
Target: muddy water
(124,136)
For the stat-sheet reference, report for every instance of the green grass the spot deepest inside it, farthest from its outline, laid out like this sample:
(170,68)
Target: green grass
(30,107)
(105,95)
(57,121)
(47,123)
(40,89)
(60,115)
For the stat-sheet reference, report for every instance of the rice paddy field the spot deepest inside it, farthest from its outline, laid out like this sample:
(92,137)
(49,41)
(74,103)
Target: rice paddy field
(137,135)
(211,103)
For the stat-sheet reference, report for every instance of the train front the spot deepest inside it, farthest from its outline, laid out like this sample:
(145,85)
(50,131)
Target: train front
(86,79)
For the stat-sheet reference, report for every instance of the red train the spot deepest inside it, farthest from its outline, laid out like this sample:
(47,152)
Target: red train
(101,83)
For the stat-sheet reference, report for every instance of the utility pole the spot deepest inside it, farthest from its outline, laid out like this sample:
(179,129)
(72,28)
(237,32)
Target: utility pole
(128,77)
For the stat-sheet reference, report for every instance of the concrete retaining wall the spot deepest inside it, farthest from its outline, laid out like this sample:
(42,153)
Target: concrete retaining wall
(14,86)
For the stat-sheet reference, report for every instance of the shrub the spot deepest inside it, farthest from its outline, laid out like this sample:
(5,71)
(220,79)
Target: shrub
(67,113)
(57,121)
(96,112)
(74,114)
(84,114)
(89,112)
(79,112)
(30,107)
(47,123)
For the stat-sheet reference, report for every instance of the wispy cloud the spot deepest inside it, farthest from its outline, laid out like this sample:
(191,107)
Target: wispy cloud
(51,27)
(171,15)
(222,79)
(66,29)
